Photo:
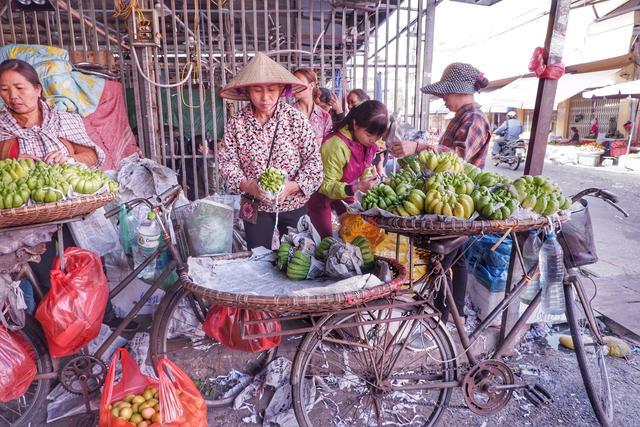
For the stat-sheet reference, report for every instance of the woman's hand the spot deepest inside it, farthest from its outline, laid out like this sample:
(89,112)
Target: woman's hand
(290,188)
(366,184)
(27,156)
(335,104)
(401,149)
(252,188)
(56,157)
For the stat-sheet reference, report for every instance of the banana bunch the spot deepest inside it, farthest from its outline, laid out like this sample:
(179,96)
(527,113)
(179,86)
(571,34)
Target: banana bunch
(497,204)
(459,183)
(490,179)
(381,196)
(540,194)
(323,247)
(448,203)
(403,181)
(410,203)
(440,162)
(365,250)
(272,180)
(282,256)
(410,163)
(299,266)
(471,171)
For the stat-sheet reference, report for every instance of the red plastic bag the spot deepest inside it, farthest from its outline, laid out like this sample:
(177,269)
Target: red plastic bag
(538,65)
(71,312)
(178,402)
(17,366)
(132,381)
(225,324)
(181,403)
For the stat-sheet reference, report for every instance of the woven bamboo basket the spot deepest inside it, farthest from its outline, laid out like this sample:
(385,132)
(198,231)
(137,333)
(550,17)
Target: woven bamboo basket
(303,304)
(457,227)
(47,212)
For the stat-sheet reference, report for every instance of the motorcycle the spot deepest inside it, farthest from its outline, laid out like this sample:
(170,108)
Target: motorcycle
(512,154)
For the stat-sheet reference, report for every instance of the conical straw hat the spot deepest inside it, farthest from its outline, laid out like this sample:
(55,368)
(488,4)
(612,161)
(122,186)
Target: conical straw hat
(261,70)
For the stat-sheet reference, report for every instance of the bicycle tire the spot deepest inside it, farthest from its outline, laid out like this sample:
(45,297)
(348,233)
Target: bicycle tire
(313,341)
(160,346)
(600,397)
(32,335)
(516,164)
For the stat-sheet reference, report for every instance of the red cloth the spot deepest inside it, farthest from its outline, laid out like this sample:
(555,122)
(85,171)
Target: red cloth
(108,126)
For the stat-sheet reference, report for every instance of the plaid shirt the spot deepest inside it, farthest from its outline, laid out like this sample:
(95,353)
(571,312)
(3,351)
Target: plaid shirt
(468,135)
(41,140)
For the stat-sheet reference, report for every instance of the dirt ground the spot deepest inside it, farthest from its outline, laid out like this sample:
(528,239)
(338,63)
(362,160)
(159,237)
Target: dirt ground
(555,369)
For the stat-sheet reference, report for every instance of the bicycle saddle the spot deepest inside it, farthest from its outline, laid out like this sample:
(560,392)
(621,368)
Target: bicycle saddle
(444,246)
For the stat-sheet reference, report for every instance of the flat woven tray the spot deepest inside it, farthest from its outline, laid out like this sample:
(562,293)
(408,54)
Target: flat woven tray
(456,227)
(304,304)
(47,212)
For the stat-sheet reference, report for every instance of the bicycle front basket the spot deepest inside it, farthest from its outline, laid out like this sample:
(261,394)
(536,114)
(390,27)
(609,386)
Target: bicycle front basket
(576,237)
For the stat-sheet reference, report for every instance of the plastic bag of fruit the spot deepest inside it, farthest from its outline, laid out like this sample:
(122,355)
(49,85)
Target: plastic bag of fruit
(138,400)
(181,404)
(17,365)
(272,182)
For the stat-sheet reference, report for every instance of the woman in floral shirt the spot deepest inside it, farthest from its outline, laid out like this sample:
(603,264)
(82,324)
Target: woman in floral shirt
(268,124)
(320,120)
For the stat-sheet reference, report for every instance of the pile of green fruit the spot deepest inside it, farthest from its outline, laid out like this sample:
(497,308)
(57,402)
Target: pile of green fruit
(496,204)
(458,189)
(540,194)
(297,263)
(272,180)
(23,180)
(142,410)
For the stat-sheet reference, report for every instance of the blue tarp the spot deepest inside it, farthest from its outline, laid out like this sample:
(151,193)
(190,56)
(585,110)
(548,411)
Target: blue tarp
(489,267)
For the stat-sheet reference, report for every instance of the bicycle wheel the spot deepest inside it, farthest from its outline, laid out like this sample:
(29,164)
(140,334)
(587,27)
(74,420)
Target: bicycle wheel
(591,353)
(373,374)
(176,333)
(21,411)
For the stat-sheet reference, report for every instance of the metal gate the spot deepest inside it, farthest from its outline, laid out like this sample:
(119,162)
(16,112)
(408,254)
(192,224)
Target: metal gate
(172,57)
(582,111)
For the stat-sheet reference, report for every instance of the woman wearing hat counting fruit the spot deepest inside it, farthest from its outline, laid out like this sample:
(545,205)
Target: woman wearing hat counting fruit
(468,133)
(268,153)
(468,136)
(347,154)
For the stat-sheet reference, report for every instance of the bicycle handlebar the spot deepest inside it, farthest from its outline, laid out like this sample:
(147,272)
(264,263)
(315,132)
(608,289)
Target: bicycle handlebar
(606,196)
(163,201)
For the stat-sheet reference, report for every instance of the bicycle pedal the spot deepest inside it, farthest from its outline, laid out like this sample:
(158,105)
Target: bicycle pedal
(537,395)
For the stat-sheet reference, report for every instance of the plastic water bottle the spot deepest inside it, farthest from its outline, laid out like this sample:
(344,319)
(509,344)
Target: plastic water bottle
(531,253)
(551,275)
(147,242)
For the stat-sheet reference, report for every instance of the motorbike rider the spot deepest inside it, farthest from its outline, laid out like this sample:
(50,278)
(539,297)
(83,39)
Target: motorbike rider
(508,132)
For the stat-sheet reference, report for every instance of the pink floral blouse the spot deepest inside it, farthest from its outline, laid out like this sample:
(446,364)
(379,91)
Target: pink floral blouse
(245,150)
(320,122)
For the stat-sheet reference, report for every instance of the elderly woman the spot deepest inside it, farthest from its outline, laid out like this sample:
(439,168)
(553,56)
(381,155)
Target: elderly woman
(268,133)
(31,128)
(467,135)
(320,120)
(355,97)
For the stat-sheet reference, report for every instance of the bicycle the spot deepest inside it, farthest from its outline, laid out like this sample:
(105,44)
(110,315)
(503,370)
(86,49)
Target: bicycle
(84,373)
(396,362)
